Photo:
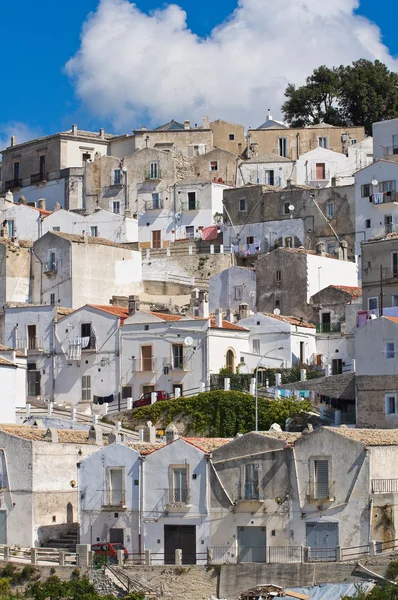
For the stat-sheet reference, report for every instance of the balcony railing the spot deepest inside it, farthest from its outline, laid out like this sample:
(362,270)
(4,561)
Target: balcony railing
(161,364)
(390,150)
(321,491)
(51,268)
(314,176)
(148,365)
(190,205)
(328,327)
(92,344)
(384,486)
(153,175)
(30,343)
(384,197)
(179,496)
(13,183)
(115,499)
(38,177)
(154,205)
(252,491)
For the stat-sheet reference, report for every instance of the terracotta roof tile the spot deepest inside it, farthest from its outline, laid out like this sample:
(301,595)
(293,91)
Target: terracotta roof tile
(291,320)
(145,448)
(7,349)
(63,312)
(6,363)
(117,311)
(35,434)
(369,437)
(354,291)
(166,316)
(82,239)
(285,436)
(226,325)
(207,444)
(304,251)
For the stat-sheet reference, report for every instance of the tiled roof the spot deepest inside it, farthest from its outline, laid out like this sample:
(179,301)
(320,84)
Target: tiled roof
(4,348)
(6,363)
(16,245)
(207,444)
(81,239)
(285,436)
(394,319)
(291,320)
(145,448)
(118,311)
(165,316)
(62,311)
(267,158)
(89,134)
(226,325)
(304,251)
(171,126)
(369,437)
(35,434)
(354,291)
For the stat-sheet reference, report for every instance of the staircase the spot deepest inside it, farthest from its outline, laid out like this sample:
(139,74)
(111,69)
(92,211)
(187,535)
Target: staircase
(66,541)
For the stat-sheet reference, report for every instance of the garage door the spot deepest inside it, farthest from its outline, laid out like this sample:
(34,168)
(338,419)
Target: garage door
(3,527)
(322,539)
(252,544)
(181,537)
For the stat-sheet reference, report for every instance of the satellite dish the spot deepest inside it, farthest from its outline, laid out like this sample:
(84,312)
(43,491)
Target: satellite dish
(277,311)
(374,182)
(188,341)
(291,207)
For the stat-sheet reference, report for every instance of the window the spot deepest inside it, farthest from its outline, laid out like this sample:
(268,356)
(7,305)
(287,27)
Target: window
(155,200)
(178,356)
(127,392)
(368,223)
(373,303)
(86,331)
(231,137)
(11,228)
(331,248)
(214,165)
(242,205)
(256,346)
(323,142)
(282,146)
(388,224)
(353,141)
(252,483)
(320,171)
(56,228)
(238,292)
(269,178)
(86,388)
(192,201)
(116,486)
(278,276)
(390,402)
(365,190)
(286,210)
(116,208)
(86,156)
(250,239)
(390,350)
(230,361)
(321,479)
(288,242)
(42,164)
(117,177)
(330,209)
(33,380)
(190,232)
(94,231)
(16,169)
(394,260)
(387,186)
(146,358)
(52,299)
(179,491)
(394,300)
(52,262)
(153,170)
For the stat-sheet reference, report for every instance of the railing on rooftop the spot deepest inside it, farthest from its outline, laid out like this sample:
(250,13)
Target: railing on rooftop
(13,183)
(384,486)
(328,327)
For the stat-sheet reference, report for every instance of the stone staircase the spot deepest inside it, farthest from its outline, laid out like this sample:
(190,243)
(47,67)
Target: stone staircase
(66,541)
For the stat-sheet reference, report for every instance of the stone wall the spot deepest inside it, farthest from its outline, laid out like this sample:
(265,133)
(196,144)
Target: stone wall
(370,401)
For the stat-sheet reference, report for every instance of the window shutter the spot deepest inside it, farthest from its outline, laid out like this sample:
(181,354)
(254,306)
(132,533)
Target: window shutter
(321,478)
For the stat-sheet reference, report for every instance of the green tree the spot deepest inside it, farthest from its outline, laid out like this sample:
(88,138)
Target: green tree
(357,94)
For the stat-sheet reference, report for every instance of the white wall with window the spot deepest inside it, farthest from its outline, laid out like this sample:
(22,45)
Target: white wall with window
(376,347)
(270,169)
(324,168)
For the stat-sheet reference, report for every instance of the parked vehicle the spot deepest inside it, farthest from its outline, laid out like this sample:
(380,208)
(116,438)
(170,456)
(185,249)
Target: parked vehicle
(145,399)
(109,550)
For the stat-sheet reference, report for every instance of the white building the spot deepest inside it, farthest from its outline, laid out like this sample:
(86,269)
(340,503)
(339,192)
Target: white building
(232,287)
(278,341)
(267,169)
(324,168)
(385,138)
(73,270)
(12,382)
(22,221)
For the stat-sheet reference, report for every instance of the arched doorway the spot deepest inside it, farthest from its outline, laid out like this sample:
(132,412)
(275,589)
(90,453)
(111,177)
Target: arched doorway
(230,360)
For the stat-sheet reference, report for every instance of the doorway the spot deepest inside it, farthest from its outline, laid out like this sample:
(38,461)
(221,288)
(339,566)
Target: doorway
(116,536)
(322,539)
(3,526)
(181,537)
(337,366)
(325,322)
(156,239)
(302,352)
(252,544)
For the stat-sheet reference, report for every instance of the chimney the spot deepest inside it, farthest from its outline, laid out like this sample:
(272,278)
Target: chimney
(4,230)
(74,129)
(42,204)
(57,206)
(52,435)
(171,433)
(230,316)
(114,437)
(102,133)
(203,311)
(143,128)
(206,123)
(22,200)
(13,140)
(14,356)
(134,305)
(187,125)
(218,317)
(334,182)
(269,116)
(344,250)
(149,433)
(244,311)
(320,249)
(95,435)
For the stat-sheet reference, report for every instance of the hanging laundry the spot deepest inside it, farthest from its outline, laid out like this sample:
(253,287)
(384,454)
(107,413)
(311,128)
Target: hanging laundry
(75,349)
(378,198)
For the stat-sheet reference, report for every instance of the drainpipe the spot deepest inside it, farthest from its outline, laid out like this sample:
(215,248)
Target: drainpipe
(119,367)
(298,145)
(52,395)
(141,504)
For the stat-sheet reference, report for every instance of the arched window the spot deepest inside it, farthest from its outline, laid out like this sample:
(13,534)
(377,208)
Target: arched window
(230,361)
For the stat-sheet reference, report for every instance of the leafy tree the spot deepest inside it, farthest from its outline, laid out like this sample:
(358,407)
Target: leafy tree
(357,94)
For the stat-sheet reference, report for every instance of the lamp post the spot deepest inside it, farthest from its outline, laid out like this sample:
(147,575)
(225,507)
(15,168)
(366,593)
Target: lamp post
(258,364)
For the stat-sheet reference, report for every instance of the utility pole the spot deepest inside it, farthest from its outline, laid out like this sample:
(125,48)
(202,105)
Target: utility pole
(381,292)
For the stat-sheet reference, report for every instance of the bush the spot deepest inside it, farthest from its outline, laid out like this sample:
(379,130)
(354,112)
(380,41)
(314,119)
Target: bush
(241,381)
(222,414)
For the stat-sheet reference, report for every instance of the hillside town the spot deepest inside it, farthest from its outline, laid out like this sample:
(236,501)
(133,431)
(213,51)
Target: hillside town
(147,273)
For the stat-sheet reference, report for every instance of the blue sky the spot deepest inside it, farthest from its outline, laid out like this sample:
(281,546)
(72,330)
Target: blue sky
(39,38)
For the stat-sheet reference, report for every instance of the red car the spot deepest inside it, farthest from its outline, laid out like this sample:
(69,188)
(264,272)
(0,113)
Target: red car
(109,549)
(145,399)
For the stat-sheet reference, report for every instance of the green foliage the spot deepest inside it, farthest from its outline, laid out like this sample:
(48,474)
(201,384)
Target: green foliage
(222,414)
(55,589)
(357,94)
(386,591)
(392,571)
(241,381)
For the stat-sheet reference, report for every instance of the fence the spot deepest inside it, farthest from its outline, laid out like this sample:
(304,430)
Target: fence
(37,556)
(184,250)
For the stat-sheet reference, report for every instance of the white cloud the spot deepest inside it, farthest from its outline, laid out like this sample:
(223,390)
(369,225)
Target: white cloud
(22,132)
(131,64)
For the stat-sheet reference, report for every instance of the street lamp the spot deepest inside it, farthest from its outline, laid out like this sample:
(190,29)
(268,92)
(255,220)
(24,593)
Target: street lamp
(258,364)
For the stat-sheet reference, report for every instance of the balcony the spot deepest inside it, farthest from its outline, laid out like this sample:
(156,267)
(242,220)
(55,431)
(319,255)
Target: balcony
(319,177)
(92,343)
(390,150)
(179,500)
(178,364)
(153,175)
(328,327)
(384,486)
(115,501)
(145,365)
(153,205)
(384,198)
(51,268)
(38,178)
(190,205)
(321,492)
(30,343)
(13,183)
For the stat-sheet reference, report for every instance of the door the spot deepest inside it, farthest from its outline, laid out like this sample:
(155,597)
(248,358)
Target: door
(156,239)
(388,226)
(146,358)
(181,537)
(191,200)
(337,366)
(322,539)
(32,337)
(302,352)
(116,536)
(320,171)
(325,319)
(3,527)
(251,544)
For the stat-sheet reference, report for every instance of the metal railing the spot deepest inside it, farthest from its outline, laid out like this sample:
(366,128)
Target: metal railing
(30,343)
(179,496)
(153,175)
(314,176)
(12,183)
(286,554)
(38,177)
(115,498)
(153,205)
(190,205)
(153,365)
(354,552)
(328,327)
(51,267)
(384,486)
(92,344)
